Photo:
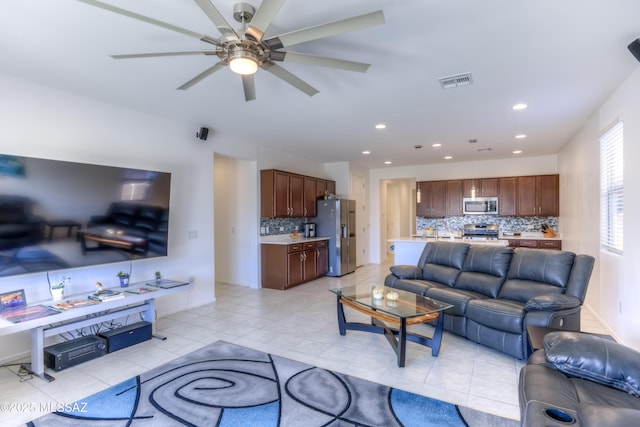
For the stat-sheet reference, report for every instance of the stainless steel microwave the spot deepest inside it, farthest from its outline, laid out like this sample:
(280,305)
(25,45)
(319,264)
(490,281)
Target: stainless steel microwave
(480,206)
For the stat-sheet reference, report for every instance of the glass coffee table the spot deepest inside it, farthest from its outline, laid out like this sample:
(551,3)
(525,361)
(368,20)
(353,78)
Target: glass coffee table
(391,315)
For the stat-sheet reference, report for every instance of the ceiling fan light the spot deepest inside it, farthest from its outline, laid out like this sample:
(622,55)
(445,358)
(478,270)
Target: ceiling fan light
(243,65)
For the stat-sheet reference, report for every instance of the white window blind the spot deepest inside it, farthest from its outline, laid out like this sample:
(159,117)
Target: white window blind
(611,189)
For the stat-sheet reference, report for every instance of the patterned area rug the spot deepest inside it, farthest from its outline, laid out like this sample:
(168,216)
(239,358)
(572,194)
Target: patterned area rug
(227,385)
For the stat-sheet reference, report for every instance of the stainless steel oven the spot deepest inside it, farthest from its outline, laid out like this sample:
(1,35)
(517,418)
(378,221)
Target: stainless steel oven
(480,206)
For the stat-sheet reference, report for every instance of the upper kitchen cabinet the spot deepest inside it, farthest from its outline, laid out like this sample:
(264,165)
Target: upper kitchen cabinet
(538,195)
(507,196)
(281,194)
(485,187)
(310,196)
(431,199)
(331,187)
(454,198)
(289,195)
(321,188)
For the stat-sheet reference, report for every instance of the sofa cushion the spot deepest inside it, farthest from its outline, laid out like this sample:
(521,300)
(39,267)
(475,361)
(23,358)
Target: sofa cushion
(457,297)
(406,272)
(484,269)
(595,359)
(444,261)
(504,315)
(546,266)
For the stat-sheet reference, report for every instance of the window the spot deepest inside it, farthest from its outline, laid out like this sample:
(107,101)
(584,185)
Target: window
(137,184)
(611,189)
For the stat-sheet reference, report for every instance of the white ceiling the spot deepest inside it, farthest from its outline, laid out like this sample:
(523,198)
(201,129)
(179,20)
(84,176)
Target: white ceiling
(562,58)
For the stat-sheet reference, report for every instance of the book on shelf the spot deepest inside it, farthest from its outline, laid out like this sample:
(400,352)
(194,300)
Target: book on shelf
(141,290)
(106,295)
(74,303)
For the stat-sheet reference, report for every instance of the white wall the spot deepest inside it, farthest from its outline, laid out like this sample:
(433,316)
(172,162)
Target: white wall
(43,122)
(614,291)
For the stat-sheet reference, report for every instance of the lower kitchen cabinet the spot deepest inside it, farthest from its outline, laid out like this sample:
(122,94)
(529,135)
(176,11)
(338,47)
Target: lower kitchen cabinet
(535,244)
(284,266)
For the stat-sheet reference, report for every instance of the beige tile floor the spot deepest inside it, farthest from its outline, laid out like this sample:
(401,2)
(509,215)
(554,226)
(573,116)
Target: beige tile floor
(300,324)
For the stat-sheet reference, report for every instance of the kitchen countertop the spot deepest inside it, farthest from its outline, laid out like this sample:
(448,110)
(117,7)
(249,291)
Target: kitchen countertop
(285,239)
(424,240)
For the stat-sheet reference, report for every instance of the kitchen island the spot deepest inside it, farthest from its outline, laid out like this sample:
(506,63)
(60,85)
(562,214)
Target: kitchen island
(407,250)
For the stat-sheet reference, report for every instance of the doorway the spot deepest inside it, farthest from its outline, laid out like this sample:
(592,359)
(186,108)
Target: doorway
(235,226)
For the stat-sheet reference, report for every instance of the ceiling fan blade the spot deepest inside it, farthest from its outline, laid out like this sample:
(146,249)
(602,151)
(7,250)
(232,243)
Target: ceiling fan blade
(249,85)
(203,37)
(301,58)
(263,18)
(294,81)
(159,54)
(203,75)
(326,30)
(215,17)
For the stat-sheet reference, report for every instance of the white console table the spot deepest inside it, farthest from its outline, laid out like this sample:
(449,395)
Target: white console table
(81,317)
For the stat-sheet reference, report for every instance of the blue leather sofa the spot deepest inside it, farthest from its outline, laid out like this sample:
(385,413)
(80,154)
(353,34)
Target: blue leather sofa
(496,291)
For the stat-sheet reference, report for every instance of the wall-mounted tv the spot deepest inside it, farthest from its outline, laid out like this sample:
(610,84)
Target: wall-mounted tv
(57,214)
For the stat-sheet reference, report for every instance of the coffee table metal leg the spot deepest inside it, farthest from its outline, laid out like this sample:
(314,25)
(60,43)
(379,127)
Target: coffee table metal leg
(402,342)
(437,336)
(341,321)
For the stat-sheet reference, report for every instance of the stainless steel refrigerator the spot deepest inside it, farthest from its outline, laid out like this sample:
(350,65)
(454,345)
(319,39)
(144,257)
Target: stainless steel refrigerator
(336,219)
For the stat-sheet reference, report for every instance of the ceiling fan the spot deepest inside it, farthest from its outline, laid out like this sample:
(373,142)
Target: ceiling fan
(246,49)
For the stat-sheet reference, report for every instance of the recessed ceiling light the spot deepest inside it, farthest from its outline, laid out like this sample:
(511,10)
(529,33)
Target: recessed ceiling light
(517,152)
(521,136)
(448,157)
(388,162)
(366,152)
(381,126)
(519,107)
(436,145)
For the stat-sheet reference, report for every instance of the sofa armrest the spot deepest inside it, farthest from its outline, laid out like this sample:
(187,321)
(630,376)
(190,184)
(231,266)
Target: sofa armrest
(590,415)
(594,359)
(406,272)
(552,302)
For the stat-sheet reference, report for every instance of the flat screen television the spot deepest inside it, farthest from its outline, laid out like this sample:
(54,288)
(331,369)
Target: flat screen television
(57,214)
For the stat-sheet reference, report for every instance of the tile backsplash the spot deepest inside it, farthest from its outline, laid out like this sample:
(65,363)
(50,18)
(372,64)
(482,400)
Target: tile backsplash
(273,226)
(281,225)
(505,223)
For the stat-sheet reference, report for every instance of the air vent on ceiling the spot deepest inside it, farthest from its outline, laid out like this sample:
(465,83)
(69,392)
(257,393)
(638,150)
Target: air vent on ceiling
(457,80)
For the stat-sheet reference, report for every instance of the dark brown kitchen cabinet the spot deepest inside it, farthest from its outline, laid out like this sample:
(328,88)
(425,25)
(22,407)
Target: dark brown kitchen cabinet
(432,200)
(322,264)
(284,266)
(296,195)
(507,196)
(485,187)
(535,244)
(538,195)
(331,187)
(274,194)
(321,188)
(288,195)
(310,195)
(548,187)
(454,198)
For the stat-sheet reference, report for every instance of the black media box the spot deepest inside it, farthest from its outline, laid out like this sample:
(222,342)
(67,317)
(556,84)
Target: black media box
(70,353)
(126,336)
